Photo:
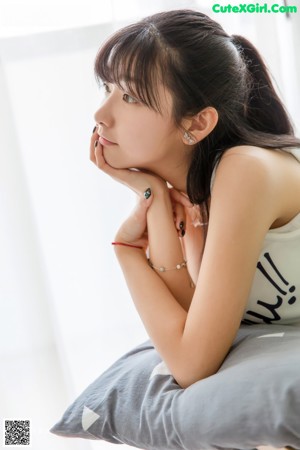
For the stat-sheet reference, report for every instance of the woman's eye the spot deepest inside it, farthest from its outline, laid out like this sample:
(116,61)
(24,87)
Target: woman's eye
(106,88)
(128,99)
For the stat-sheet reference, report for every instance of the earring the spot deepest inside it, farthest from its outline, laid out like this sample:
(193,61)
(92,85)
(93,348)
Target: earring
(190,139)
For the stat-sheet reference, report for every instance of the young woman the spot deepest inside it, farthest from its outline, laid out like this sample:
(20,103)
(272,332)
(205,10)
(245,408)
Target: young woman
(192,124)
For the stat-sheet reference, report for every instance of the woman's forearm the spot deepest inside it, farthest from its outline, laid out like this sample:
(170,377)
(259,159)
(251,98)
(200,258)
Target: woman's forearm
(162,299)
(165,249)
(163,317)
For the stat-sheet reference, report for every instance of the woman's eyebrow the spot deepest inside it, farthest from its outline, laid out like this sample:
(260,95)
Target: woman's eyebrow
(126,83)
(127,79)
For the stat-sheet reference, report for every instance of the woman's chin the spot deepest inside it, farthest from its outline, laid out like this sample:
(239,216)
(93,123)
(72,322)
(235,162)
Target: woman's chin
(115,164)
(118,165)
(111,161)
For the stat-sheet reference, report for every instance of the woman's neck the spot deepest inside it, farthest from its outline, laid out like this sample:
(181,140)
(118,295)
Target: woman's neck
(174,174)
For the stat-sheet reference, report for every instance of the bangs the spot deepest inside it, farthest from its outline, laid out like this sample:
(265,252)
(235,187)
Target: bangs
(132,60)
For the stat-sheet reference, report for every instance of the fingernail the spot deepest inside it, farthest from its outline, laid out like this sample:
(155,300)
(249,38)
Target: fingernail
(94,129)
(95,144)
(147,193)
(181,225)
(182,233)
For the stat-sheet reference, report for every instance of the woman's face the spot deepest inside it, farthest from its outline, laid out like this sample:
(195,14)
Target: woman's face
(133,135)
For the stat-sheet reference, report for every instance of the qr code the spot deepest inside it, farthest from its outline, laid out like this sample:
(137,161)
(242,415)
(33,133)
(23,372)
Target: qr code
(17,432)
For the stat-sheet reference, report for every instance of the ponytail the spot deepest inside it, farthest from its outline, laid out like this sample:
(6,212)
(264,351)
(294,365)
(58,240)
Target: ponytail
(264,110)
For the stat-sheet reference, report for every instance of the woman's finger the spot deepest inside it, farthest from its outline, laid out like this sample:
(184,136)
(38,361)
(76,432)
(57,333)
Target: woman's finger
(180,218)
(180,198)
(134,229)
(93,141)
(124,176)
(137,180)
(142,207)
(97,157)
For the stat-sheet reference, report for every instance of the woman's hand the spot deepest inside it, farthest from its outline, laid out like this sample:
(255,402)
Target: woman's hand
(145,185)
(134,229)
(181,207)
(137,180)
(142,183)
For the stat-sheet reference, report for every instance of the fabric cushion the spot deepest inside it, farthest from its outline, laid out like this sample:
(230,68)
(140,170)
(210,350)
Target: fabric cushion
(253,400)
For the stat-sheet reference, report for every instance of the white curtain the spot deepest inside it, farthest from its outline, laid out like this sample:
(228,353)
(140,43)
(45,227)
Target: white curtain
(65,313)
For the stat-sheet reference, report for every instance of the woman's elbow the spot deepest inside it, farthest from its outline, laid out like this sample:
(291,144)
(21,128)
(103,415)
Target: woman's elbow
(186,376)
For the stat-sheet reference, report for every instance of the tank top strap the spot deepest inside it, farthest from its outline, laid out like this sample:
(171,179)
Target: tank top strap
(294,151)
(213,175)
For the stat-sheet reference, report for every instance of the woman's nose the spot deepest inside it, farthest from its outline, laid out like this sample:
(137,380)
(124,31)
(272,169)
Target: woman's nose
(103,115)
(99,119)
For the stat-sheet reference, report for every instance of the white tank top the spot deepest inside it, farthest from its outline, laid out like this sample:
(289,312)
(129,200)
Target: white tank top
(274,296)
(275,292)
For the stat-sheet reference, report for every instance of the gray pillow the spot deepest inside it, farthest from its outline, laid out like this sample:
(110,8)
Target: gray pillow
(253,400)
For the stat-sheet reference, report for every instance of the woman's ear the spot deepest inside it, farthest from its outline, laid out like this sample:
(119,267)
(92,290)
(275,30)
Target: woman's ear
(199,126)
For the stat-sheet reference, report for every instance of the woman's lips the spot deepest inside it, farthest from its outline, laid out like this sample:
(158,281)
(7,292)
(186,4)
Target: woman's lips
(104,141)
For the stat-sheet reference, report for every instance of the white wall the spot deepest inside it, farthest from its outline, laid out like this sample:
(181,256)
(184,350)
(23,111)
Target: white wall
(65,311)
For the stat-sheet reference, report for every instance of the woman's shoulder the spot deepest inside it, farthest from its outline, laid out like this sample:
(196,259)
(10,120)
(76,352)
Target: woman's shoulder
(274,164)
(274,173)
(246,163)
(259,154)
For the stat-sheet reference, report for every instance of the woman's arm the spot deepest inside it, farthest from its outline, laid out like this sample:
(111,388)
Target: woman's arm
(165,247)
(244,204)
(166,250)
(194,344)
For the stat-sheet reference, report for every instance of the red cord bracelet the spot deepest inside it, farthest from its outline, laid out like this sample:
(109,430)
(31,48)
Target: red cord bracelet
(127,245)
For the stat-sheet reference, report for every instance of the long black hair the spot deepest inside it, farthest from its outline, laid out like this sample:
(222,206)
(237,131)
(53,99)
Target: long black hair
(201,66)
